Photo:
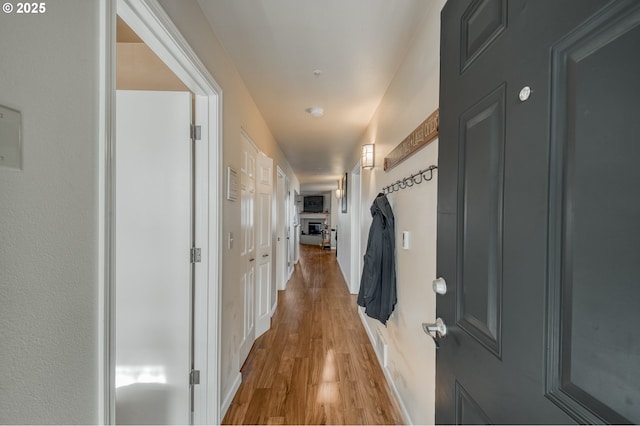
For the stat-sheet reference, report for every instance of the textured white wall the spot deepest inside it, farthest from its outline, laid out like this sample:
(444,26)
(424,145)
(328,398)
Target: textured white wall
(410,98)
(48,217)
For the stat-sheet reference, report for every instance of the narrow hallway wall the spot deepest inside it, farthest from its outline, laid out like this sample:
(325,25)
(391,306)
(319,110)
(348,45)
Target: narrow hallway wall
(49,217)
(409,100)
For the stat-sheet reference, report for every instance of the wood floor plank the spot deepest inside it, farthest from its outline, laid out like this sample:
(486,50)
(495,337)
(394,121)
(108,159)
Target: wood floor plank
(316,364)
(346,371)
(276,405)
(295,402)
(256,414)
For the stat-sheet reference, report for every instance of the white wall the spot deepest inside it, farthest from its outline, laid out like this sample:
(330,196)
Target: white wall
(48,218)
(238,112)
(411,97)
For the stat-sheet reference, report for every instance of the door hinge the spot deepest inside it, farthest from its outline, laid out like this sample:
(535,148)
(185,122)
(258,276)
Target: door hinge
(196,256)
(194,377)
(196,132)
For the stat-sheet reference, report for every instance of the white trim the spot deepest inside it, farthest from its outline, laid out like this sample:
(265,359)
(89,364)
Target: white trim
(344,276)
(228,399)
(385,370)
(106,118)
(159,33)
(244,133)
(153,25)
(281,259)
(202,271)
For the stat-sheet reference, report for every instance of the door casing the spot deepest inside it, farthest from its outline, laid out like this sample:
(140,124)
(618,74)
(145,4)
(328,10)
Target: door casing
(282,245)
(149,20)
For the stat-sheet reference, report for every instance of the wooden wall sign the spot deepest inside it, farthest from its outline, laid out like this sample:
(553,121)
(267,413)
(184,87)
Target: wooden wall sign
(421,136)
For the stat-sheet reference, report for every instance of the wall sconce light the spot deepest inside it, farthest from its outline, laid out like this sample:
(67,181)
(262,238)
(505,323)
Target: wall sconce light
(368,159)
(338,193)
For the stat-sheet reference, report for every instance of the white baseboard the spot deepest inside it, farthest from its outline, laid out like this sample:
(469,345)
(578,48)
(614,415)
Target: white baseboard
(346,280)
(226,402)
(387,375)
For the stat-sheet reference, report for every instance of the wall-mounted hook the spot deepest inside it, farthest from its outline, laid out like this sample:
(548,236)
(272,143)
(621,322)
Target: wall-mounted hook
(409,181)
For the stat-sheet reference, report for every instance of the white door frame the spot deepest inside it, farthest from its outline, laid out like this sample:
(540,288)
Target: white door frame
(289,229)
(281,242)
(356,232)
(149,20)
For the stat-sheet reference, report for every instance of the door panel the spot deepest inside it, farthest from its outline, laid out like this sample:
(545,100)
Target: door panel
(595,237)
(264,243)
(247,241)
(281,242)
(289,229)
(153,273)
(481,171)
(482,23)
(468,412)
(538,236)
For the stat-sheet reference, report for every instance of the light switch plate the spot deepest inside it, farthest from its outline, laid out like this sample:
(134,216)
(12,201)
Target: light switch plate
(405,240)
(10,138)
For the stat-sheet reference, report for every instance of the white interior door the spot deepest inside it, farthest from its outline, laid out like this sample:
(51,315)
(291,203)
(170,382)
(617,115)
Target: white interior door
(153,271)
(295,231)
(248,239)
(264,243)
(290,205)
(281,242)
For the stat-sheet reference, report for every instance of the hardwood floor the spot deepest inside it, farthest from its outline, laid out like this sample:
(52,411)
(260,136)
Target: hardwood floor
(316,364)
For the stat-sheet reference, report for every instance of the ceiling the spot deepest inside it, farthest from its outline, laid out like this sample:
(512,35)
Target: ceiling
(356,45)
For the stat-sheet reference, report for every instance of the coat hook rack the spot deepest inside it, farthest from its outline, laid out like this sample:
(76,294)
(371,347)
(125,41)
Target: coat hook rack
(407,182)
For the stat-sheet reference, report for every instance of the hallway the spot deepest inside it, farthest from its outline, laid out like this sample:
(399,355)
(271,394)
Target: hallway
(316,364)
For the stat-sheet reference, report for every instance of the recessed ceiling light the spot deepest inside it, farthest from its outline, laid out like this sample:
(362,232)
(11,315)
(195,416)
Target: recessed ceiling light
(317,73)
(315,111)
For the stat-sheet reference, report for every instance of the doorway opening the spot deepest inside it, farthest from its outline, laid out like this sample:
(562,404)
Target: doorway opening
(149,22)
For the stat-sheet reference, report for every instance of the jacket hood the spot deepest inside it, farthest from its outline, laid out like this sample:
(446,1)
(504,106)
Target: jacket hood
(382,206)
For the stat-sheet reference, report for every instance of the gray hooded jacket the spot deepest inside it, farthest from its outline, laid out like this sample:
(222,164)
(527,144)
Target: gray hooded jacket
(378,284)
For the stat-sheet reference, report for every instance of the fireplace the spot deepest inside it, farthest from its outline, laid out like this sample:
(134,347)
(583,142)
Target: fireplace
(315,228)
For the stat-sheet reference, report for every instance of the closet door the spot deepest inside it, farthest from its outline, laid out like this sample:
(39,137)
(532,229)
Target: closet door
(153,269)
(248,242)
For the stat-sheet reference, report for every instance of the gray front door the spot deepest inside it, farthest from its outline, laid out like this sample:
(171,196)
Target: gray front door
(539,212)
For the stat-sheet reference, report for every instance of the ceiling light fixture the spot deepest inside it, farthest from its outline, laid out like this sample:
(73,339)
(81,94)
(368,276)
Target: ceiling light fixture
(315,111)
